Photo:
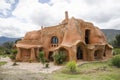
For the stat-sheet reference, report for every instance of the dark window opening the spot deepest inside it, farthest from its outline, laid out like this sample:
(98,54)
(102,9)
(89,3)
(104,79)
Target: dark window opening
(54,40)
(40,49)
(87,35)
(50,56)
(79,53)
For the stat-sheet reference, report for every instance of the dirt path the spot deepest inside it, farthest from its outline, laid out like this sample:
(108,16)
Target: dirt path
(26,71)
(32,67)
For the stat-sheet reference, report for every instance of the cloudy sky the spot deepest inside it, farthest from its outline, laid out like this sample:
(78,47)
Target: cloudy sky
(19,16)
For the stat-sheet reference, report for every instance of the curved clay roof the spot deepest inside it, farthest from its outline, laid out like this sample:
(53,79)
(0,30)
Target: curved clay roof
(69,32)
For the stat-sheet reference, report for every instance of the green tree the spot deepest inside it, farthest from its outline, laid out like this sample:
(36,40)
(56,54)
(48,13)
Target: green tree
(116,61)
(42,57)
(13,54)
(116,42)
(7,47)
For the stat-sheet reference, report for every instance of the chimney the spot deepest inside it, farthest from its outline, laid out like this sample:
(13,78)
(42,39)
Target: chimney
(66,16)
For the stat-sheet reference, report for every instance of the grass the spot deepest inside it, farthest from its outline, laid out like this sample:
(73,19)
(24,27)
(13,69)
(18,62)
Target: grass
(2,63)
(91,71)
(4,55)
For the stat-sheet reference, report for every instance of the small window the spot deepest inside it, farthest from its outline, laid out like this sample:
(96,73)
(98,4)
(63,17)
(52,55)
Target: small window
(54,40)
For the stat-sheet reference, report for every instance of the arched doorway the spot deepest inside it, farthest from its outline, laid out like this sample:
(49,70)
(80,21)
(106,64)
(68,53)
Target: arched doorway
(65,52)
(79,53)
(50,56)
(96,55)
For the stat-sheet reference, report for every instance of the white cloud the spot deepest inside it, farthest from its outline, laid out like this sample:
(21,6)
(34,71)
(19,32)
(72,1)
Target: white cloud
(12,27)
(31,14)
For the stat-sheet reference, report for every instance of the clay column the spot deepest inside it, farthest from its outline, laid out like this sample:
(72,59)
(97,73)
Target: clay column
(32,56)
(91,54)
(37,51)
(18,56)
(101,52)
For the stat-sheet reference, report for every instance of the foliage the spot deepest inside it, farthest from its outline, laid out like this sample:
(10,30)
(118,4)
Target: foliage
(42,57)
(6,48)
(13,55)
(71,66)
(116,51)
(59,57)
(116,42)
(47,65)
(8,45)
(116,61)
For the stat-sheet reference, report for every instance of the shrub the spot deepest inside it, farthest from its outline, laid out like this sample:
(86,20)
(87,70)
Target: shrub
(116,61)
(47,65)
(116,51)
(71,66)
(59,57)
(42,57)
(13,55)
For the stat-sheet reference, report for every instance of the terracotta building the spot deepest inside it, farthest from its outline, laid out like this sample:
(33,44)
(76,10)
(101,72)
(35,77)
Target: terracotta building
(78,39)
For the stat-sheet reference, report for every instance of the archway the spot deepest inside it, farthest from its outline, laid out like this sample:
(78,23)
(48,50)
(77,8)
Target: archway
(50,56)
(79,53)
(96,55)
(65,52)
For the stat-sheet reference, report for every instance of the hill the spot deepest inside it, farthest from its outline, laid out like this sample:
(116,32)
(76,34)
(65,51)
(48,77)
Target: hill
(110,33)
(6,39)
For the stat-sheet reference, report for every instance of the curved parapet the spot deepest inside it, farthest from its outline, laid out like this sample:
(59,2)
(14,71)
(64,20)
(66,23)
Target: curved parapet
(33,35)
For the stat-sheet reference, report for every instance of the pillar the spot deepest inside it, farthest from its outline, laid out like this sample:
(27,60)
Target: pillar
(91,54)
(32,56)
(19,55)
(37,52)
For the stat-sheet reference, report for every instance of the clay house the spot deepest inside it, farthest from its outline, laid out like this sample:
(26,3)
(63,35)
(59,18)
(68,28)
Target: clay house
(78,39)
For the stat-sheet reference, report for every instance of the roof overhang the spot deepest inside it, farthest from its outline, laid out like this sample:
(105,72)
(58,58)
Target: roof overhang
(28,46)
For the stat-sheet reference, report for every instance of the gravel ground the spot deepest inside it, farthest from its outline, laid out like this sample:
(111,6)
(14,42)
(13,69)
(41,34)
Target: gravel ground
(26,71)
(15,74)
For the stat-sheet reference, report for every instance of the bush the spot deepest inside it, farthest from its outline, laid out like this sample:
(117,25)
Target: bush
(13,55)
(71,66)
(47,65)
(116,51)
(116,61)
(59,58)
(42,57)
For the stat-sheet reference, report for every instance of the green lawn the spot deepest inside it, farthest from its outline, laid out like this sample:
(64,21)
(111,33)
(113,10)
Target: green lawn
(90,71)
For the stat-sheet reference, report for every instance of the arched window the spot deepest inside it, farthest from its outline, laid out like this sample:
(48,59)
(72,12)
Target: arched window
(54,40)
